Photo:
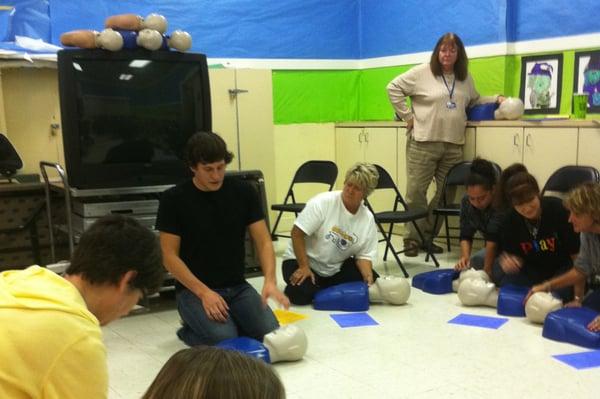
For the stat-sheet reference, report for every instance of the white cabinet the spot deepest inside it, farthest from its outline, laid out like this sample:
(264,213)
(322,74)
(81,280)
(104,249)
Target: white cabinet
(377,145)
(369,144)
(547,149)
(589,147)
(503,145)
(542,150)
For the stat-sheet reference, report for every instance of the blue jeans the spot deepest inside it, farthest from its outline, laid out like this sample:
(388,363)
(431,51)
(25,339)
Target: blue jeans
(247,317)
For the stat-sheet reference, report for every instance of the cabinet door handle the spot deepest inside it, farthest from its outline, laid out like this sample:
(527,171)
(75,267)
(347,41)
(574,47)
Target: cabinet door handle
(360,135)
(366,137)
(515,138)
(527,138)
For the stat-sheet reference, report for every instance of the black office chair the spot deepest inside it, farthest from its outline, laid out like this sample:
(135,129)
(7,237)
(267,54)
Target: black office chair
(10,162)
(322,172)
(457,176)
(568,177)
(396,215)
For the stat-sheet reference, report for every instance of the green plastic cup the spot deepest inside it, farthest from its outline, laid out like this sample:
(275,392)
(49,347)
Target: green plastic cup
(580,105)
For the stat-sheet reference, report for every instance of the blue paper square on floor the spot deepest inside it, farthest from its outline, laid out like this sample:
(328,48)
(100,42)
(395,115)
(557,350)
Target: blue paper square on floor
(353,319)
(581,360)
(479,321)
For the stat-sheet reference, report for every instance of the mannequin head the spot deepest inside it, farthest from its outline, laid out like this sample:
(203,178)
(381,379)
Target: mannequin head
(539,305)
(287,343)
(475,292)
(390,289)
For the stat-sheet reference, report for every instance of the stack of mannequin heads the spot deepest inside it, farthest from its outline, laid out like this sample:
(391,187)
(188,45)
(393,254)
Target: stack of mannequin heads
(130,31)
(475,287)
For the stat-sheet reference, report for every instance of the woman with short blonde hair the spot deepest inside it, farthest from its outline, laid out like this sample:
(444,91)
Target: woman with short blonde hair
(334,239)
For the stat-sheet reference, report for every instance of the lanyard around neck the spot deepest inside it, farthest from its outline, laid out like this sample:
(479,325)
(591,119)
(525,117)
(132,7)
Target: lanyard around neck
(450,90)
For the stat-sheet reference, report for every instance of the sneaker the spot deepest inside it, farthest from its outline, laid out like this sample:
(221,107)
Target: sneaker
(411,248)
(436,249)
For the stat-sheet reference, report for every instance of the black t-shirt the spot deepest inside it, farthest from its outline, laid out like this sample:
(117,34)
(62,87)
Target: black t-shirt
(546,252)
(212,227)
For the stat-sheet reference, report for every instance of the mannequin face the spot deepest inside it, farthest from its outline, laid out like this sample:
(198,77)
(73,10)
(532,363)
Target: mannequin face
(447,56)
(531,209)
(479,197)
(582,222)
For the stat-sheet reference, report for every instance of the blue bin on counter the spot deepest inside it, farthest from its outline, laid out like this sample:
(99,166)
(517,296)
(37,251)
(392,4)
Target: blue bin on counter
(482,112)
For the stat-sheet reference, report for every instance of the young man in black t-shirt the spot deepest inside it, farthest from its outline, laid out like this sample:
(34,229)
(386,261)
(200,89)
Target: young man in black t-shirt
(202,224)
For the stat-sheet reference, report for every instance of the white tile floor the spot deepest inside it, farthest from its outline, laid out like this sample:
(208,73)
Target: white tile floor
(412,353)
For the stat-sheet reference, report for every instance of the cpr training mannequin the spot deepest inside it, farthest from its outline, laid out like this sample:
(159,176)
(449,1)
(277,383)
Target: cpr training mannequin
(130,31)
(113,40)
(287,343)
(390,289)
(511,108)
(470,274)
(475,292)
(135,22)
(539,305)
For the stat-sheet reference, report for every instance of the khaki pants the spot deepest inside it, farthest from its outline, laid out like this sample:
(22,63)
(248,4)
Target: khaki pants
(426,161)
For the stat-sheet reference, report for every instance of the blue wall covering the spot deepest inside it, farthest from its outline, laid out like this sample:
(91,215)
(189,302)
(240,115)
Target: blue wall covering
(315,29)
(390,27)
(552,18)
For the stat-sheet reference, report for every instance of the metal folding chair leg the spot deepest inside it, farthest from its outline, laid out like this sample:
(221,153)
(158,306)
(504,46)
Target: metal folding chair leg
(388,245)
(447,231)
(428,247)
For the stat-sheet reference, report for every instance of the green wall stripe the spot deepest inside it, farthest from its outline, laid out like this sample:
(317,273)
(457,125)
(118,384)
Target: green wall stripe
(360,95)
(315,96)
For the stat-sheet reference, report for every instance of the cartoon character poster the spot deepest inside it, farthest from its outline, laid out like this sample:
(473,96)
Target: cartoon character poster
(587,78)
(541,81)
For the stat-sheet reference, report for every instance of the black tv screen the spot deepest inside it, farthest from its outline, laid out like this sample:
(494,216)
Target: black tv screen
(127,115)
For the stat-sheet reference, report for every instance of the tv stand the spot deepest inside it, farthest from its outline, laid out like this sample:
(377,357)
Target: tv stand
(84,206)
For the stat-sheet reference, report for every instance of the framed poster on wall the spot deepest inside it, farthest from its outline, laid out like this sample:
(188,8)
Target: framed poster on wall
(587,78)
(541,83)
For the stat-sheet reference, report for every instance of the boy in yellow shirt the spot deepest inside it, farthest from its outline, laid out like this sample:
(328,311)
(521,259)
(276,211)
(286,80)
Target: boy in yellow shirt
(50,338)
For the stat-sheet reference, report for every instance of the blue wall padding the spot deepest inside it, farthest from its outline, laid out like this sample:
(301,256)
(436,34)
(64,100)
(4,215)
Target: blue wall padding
(390,27)
(28,18)
(235,28)
(316,29)
(545,19)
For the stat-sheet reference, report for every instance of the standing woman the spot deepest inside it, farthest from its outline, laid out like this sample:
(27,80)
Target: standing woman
(477,213)
(537,241)
(440,92)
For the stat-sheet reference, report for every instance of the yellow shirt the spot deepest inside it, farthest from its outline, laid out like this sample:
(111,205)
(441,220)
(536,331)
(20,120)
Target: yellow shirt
(50,343)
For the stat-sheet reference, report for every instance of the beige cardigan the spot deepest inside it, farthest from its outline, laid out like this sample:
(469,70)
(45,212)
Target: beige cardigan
(433,120)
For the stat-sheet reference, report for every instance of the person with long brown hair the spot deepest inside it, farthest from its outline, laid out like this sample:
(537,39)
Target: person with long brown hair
(537,240)
(204,372)
(440,93)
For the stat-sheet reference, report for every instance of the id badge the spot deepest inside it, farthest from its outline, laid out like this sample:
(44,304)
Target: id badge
(451,105)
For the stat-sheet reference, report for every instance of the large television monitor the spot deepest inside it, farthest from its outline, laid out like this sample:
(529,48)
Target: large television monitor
(127,115)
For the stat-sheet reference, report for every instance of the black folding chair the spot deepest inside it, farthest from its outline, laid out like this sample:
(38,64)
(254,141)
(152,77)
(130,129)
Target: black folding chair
(398,214)
(457,176)
(323,172)
(568,177)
